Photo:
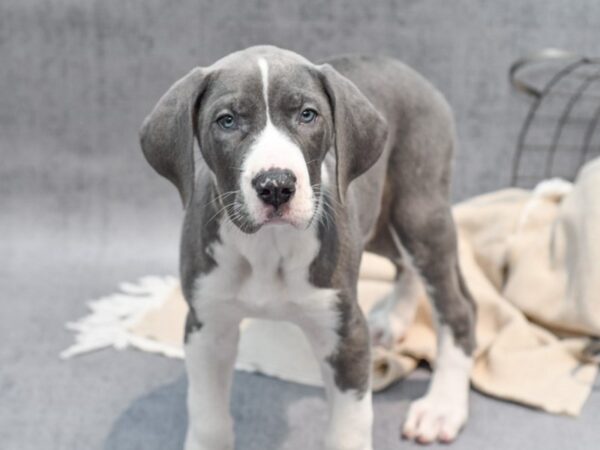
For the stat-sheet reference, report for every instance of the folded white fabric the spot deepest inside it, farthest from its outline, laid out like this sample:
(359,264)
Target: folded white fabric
(553,258)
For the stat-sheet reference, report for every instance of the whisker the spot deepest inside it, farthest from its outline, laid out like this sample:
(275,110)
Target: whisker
(220,211)
(219,198)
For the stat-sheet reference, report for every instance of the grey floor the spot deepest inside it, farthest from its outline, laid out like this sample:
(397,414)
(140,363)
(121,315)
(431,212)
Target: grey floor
(80,210)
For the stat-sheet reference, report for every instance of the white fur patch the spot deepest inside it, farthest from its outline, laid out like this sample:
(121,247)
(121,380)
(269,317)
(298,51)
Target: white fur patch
(350,424)
(209,359)
(265,275)
(274,149)
(391,317)
(264,76)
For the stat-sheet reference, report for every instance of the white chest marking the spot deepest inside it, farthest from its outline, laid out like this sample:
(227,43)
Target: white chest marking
(266,274)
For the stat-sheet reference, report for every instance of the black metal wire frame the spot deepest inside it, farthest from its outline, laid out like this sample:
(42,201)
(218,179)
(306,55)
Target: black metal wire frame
(569,64)
(589,133)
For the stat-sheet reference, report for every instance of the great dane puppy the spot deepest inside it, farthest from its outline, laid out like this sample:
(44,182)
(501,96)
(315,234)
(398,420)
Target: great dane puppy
(298,168)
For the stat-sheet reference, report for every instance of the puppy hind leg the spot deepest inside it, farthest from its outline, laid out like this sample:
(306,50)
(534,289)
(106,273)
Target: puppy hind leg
(443,411)
(393,314)
(430,237)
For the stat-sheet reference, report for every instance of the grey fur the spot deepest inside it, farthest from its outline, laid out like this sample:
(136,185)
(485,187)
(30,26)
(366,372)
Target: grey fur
(412,179)
(336,265)
(393,138)
(203,214)
(192,324)
(167,137)
(360,130)
(351,360)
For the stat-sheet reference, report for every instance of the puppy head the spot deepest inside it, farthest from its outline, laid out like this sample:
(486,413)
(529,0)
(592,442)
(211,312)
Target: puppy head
(264,120)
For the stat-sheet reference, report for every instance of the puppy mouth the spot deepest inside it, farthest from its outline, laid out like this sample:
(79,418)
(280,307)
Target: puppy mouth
(273,217)
(248,223)
(301,220)
(250,216)
(279,216)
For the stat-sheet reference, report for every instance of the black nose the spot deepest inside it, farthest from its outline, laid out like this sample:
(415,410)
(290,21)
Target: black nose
(275,187)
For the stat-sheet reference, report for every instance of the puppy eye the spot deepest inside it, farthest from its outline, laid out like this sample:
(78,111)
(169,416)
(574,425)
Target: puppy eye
(308,115)
(227,122)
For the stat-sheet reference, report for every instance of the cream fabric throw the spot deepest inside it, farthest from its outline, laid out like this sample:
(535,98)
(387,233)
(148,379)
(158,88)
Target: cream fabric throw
(531,261)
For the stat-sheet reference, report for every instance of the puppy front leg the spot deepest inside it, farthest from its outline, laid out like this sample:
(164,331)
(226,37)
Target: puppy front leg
(210,351)
(343,352)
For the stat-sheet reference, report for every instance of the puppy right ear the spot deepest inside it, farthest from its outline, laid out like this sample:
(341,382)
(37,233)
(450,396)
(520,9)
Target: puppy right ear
(167,134)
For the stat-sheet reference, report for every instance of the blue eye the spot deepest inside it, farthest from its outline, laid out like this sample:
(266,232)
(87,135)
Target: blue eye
(227,122)
(308,115)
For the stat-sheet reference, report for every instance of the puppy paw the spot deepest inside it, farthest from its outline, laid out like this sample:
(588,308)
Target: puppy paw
(432,418)
(208,440)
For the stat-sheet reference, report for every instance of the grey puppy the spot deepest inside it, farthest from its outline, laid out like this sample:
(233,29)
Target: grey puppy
(298,168)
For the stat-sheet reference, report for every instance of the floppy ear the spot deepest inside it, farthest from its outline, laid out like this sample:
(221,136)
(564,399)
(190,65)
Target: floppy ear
(360,130)
(167,134)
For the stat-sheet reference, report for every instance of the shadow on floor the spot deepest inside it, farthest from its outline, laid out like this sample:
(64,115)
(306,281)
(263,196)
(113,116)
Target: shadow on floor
(263,410)
(271,414)
(152,422)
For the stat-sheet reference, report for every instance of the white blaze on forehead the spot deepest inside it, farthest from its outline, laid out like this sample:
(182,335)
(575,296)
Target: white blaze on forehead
(272,149)
(264,75)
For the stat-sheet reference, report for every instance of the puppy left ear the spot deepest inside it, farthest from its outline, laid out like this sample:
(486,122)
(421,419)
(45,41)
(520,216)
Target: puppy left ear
(167,134)
(360,130)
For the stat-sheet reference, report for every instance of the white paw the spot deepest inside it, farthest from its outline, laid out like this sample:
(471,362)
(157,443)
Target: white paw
(388,323)
(209,440)
(433,418)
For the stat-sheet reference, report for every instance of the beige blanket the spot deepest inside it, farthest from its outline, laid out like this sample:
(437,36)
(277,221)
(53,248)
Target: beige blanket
(530,260)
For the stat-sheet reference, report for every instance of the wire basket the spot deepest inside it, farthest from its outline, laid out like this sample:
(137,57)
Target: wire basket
(561,130)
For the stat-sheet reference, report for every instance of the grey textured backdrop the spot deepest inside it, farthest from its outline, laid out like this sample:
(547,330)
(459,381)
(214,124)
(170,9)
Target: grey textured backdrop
(81,210)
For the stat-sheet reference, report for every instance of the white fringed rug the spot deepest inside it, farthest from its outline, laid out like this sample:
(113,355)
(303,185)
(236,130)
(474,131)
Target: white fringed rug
(113,319)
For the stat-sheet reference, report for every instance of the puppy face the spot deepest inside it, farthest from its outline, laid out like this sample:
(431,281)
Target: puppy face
(264,126)
(264,119)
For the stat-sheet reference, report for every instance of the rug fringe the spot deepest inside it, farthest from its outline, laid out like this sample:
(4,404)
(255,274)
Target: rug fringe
(112,317)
